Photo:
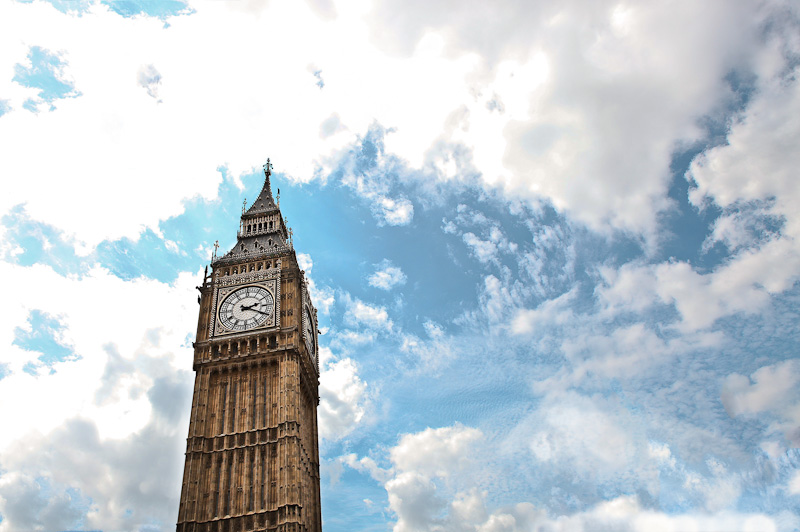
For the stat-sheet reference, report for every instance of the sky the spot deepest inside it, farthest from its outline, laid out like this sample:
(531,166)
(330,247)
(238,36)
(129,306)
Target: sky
(552,246)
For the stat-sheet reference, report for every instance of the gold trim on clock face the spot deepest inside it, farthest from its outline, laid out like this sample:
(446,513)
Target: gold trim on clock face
(246,308)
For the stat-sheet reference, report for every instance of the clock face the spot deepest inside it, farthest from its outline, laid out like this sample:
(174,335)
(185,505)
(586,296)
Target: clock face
(246,308)
(308,332)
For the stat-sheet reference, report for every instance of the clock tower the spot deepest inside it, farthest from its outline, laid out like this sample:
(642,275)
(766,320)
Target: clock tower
(252,455)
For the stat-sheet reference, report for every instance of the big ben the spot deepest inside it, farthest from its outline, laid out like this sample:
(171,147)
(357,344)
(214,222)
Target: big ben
(252,455)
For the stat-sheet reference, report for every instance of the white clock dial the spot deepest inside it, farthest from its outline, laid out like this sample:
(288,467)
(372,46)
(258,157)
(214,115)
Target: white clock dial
(246,308)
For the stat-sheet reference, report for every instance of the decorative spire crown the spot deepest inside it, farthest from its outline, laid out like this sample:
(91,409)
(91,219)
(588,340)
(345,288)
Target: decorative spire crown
(264,202)
(262,229)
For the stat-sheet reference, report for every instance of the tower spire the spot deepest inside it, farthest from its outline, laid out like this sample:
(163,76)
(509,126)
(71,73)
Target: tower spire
(262,229)
(264,202)
(268,172)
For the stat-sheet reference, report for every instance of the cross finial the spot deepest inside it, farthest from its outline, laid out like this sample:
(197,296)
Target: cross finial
(268,167)
(216,247)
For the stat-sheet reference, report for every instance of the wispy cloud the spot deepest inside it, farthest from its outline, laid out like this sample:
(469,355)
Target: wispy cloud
(387,276)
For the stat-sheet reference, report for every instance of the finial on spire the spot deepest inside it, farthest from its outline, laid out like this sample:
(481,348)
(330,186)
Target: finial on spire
(278,198)
(216,247)
(268,168)
(244,205)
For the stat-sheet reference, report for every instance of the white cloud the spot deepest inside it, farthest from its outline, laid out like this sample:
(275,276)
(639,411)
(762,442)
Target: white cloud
(720,490)
(368,465)
(794,484)
(536,130)
(757,164)
(398,211)
(342,399)
(484,250)
(305,262)
(771,389)
(574,431)
(662,454)
(435,452)
(431,486)
(373,175)
(551,312)
(177,148)
(149,78)
(26,506)
(418,459)
(387,276)
(743,284)
(98,311)
(132,380)
(626,513)
(759,159)
(174,247)
(348,338)
(630,288)
(430,353)
(413,498)
(738,286)
(545,135)
(620,353)
(489,244)
(322,297)
(363,314)
(497,300)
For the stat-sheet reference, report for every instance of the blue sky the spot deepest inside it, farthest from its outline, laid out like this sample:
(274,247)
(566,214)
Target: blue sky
(554,250)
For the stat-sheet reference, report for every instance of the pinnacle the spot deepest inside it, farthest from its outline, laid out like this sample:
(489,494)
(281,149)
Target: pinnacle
(264,202)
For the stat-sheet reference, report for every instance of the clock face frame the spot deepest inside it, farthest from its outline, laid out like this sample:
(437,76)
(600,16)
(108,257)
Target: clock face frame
(245,308)
(310,332)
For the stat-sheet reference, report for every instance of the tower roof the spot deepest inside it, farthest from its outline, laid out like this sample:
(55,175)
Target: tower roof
(264,203)
(262,230)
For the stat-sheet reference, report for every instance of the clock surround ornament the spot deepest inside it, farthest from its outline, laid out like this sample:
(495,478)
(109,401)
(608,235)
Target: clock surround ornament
(229,316)
(246,308)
